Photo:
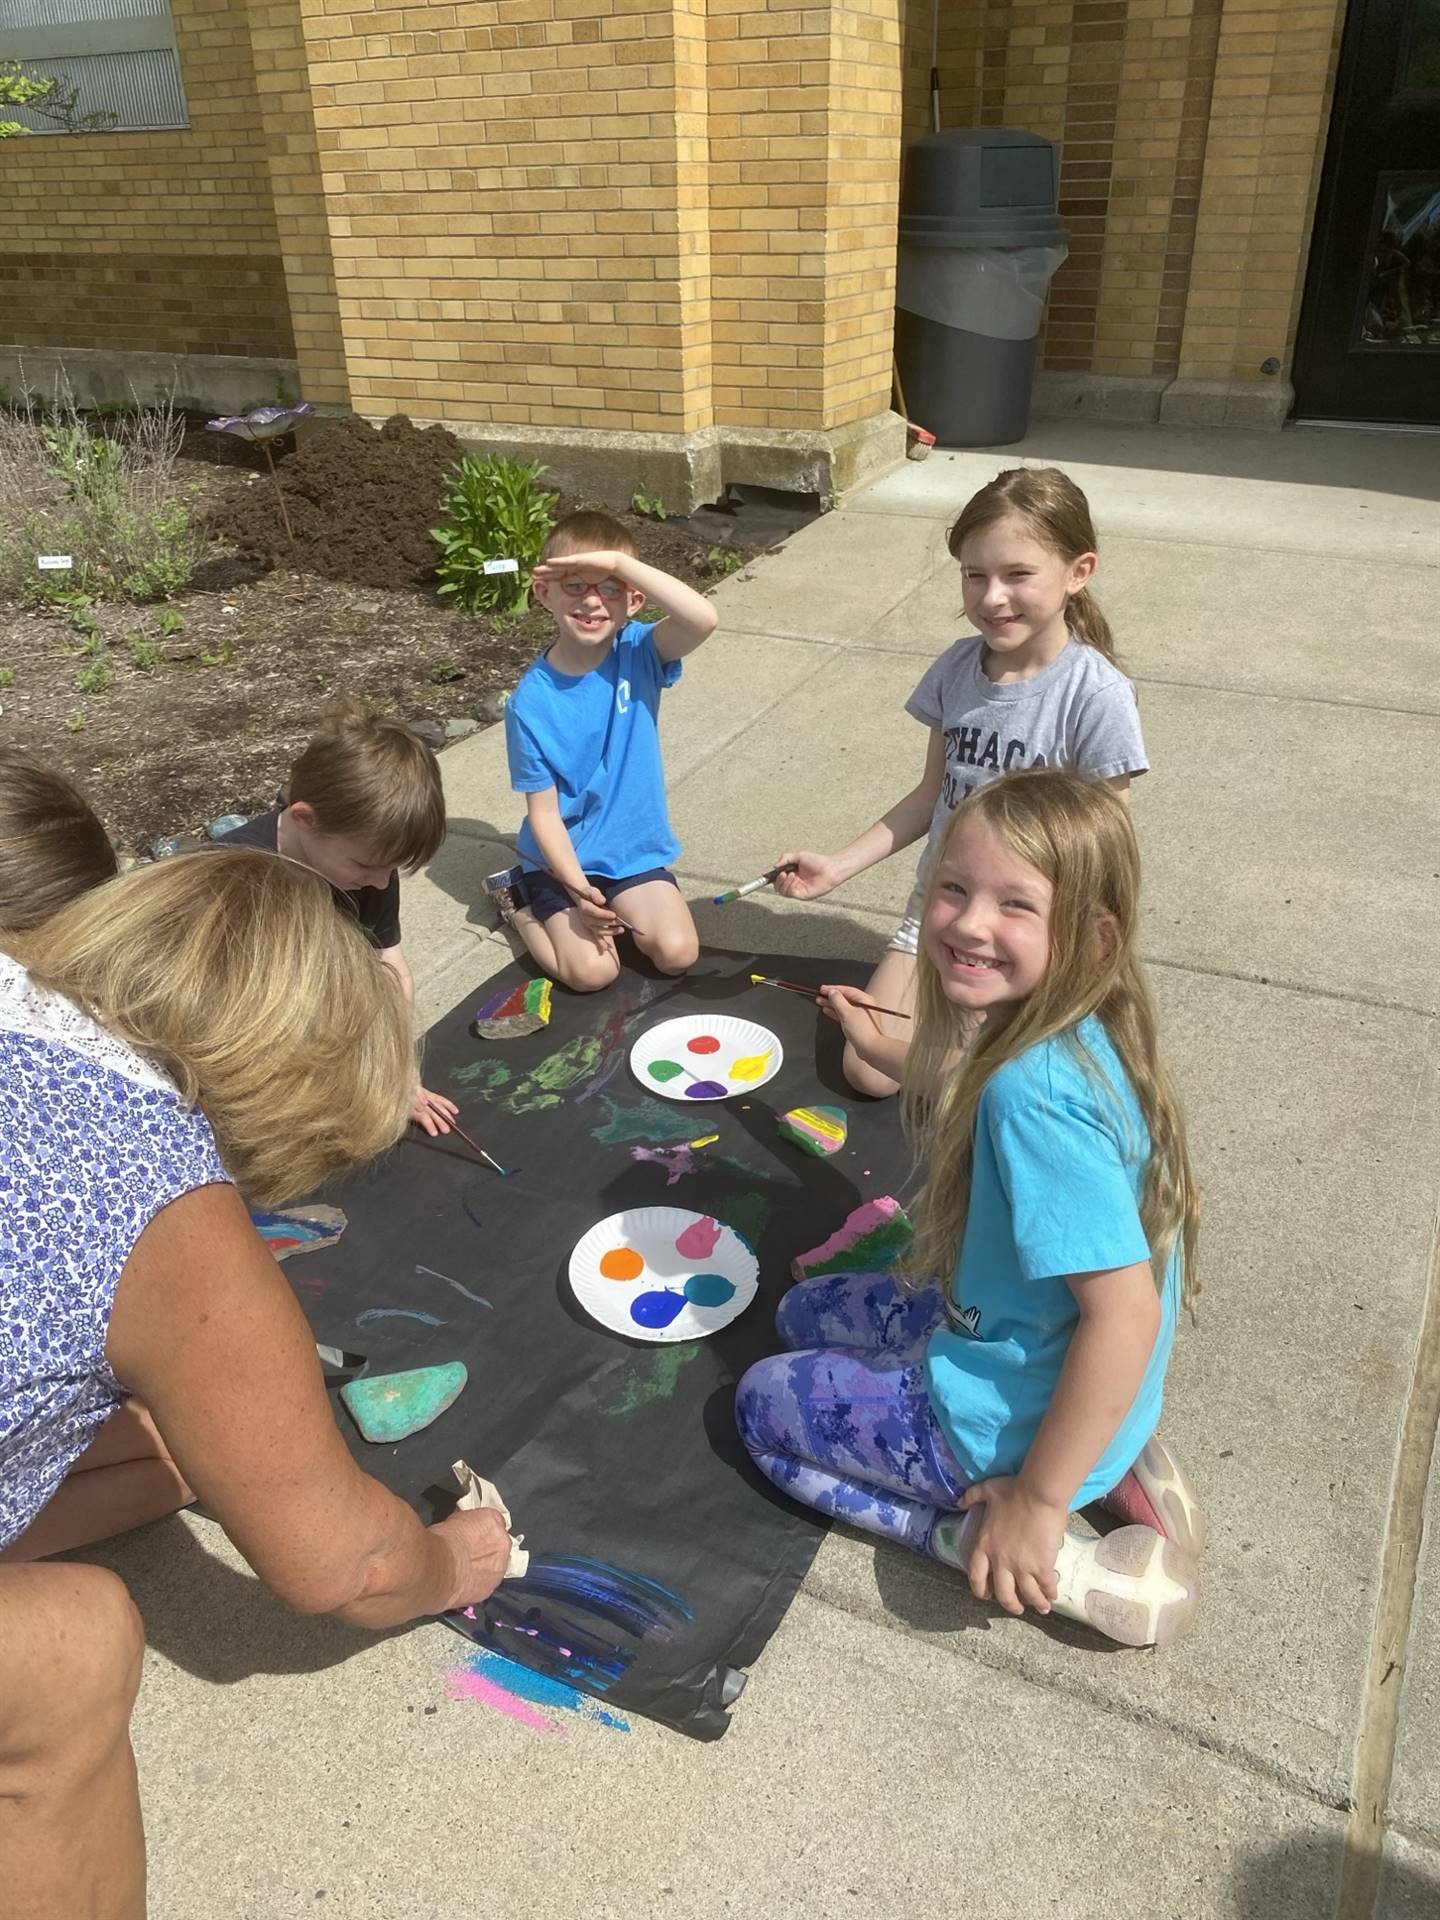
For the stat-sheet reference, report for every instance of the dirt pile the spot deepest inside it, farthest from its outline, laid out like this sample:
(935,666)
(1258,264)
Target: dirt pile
(361,499)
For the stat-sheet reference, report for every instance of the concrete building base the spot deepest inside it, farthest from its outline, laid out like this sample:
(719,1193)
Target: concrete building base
(106,377)
(1157,399)
(685,471)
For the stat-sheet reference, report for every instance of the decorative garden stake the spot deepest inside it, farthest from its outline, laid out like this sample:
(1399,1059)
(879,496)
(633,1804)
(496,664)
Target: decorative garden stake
(261,425)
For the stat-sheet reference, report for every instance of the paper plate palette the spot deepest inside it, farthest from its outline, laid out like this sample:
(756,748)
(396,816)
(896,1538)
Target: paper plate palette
(662,1273)
(705,1056)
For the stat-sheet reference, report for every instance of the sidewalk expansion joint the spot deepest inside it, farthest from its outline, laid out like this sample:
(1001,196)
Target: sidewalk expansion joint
(1363,1854)
(1273,1772)
(1301,987)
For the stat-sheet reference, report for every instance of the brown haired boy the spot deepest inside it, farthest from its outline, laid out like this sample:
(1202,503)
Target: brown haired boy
(582,736)
(364,800)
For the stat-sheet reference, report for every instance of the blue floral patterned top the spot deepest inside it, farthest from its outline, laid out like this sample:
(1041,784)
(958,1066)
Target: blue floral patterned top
(96,1142)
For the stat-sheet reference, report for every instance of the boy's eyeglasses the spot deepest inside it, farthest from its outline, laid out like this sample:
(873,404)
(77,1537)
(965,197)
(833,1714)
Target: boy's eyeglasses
(611,589)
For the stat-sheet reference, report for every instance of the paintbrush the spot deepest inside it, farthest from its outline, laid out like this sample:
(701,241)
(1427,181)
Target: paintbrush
(813,993)
(754,886)
(475,1147)
(626,924)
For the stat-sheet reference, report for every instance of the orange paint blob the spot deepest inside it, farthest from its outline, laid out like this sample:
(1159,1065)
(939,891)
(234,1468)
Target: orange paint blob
(622,1263)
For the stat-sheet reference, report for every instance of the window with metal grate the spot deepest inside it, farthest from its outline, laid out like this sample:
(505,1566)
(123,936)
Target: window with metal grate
(113,58)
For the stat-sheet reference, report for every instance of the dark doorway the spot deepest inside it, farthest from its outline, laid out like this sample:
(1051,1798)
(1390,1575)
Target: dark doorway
(1369,342)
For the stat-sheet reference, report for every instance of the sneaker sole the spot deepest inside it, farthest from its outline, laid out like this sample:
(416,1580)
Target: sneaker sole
(1132,1585)
(1163,1482)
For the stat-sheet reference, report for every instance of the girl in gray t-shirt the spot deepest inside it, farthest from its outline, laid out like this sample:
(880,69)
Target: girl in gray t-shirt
(1039,686)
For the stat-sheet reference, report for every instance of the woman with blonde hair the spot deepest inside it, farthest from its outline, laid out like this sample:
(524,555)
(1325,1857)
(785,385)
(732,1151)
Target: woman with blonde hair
(1014,1371)
(198,1035)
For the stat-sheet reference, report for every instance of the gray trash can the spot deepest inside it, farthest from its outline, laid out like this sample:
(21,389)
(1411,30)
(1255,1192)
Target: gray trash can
(980,239)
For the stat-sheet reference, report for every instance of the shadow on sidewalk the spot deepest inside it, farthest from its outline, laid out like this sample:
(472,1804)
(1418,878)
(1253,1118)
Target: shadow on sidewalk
(1299,1879)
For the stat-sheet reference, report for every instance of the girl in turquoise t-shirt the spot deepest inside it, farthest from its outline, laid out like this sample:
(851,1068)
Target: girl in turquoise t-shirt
(969,1422)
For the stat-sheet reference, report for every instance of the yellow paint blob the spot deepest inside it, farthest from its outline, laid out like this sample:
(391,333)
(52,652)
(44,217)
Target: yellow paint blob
(751,1067)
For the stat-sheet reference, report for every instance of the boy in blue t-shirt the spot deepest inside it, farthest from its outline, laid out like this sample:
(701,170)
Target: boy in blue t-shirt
(582,734)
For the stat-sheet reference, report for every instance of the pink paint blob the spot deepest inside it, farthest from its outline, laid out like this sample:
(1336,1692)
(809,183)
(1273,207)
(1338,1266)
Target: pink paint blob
(699,1240)
(703,1043)
(463,1685)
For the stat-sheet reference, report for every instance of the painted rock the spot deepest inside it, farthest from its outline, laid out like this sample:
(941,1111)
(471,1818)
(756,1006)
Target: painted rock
(227,823)
(871,1238)
(392,1406)
(299,1229)
(817,1130)
(513,1012)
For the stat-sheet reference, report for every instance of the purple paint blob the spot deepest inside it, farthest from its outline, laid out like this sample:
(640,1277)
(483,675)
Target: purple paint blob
(705,1090)
(708,1290)
(677,1161)
(656,1310)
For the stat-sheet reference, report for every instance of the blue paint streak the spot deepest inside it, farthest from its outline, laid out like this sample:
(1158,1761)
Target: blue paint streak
(540,1689)
(396,1313)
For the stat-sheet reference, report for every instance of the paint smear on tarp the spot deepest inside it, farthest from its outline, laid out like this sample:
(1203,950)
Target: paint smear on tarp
(653,1378)
(534,1700)
(644,1120)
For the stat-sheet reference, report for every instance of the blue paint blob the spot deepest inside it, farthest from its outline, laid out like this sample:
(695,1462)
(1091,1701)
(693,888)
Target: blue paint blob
(656,1309)
(708,1290)
(705,1090)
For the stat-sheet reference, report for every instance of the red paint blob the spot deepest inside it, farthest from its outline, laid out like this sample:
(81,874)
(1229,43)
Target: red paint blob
(702,1043)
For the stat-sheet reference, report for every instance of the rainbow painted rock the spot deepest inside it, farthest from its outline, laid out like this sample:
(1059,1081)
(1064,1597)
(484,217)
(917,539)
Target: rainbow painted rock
(299,1229)
(514,1012)
(872,1238)
(817,1130)
(391,1406)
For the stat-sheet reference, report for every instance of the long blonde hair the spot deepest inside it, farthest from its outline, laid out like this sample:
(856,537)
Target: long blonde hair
(1077,833)
(1058,514)
(233,972)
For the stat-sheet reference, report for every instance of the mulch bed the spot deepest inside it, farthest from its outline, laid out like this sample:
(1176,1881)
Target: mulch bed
(213,726)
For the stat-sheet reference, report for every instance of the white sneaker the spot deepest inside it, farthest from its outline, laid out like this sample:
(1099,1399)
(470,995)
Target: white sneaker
(1132,1585)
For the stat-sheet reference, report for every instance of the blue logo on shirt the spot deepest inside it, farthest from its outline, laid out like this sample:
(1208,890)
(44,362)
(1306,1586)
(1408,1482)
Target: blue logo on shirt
(622,696)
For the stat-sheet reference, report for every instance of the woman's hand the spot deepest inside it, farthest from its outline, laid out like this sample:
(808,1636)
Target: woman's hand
(432,1111)
(1016,1544)
(480,1545)
(814,874)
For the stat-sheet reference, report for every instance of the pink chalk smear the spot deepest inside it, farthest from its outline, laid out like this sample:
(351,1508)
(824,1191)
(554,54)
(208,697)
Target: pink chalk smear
(462,1684)
(699,1240)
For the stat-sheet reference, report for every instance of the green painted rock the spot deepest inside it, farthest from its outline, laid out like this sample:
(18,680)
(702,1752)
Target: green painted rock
(392,1406)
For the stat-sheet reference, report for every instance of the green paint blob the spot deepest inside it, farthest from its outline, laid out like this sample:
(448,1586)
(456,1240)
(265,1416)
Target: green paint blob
(576,1060)
(665,1070)
(653,1378)
(645,1120)
(484,1075)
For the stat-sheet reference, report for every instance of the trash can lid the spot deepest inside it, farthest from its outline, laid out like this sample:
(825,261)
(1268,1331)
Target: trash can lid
(969,185)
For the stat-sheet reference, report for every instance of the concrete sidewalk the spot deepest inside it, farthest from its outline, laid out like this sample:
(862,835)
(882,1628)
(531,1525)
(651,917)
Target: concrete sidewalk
(901,1749)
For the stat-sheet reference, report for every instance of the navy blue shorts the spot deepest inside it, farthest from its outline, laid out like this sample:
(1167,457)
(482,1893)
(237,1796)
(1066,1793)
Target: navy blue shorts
(545,896)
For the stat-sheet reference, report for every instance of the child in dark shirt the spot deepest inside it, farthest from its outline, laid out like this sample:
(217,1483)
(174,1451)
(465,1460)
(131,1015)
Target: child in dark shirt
(363,800)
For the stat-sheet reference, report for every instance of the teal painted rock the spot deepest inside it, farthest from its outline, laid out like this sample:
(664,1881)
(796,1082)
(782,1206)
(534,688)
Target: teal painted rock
(392,1406)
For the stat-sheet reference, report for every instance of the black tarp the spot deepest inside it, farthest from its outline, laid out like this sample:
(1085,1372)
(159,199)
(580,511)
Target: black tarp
(617,1449)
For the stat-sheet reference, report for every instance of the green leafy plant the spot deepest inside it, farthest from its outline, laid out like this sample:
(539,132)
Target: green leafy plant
(90,464)
(170,621)
(722,560)
(76,723)
(95,678)
(650,504)
(7,676)
(83,621)
(223,656)
(443,672)
(145,651)
(495,509)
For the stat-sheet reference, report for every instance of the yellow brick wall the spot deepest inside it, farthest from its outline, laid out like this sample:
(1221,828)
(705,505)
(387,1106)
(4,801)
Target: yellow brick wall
(1193,132)
(152,241)
(515,197)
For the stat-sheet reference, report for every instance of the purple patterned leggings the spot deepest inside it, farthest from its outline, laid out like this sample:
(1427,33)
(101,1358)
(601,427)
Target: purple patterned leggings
(842,1420)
